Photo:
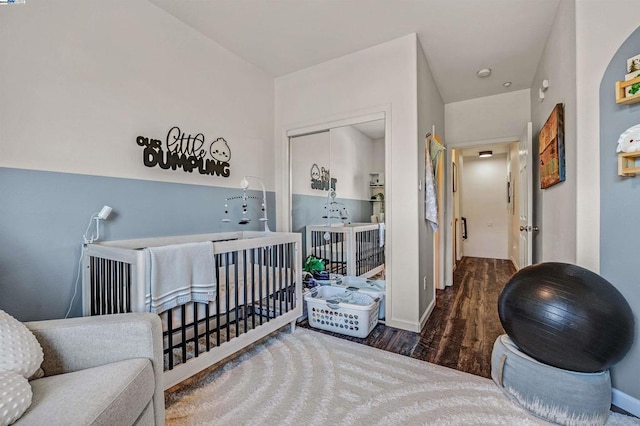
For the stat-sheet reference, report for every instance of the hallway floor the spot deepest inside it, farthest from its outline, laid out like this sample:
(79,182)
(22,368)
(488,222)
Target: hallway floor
(463,326)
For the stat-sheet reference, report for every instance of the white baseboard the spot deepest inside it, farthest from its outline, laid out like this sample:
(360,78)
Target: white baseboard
(626,402)
(410,326)
(402,325)
(427,313)
(515,264)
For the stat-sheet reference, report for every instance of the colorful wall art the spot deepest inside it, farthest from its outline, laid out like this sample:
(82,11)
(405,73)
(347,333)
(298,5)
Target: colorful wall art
(552,164)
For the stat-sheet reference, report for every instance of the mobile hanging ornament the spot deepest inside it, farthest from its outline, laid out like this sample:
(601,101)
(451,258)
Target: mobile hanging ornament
(187,152)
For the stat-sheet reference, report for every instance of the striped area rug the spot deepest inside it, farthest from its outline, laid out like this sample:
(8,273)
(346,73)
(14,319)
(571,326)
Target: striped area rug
(308,378)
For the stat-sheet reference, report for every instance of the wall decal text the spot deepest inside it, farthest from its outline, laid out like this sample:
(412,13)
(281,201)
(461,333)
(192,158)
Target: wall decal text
(187,152)
(321,179)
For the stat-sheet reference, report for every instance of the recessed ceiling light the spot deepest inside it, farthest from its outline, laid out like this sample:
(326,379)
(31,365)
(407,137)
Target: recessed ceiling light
(506,84)
(484,72)
(484,154)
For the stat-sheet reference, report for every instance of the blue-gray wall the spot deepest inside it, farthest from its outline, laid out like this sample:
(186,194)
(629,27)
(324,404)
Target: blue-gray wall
(620,209)
(43,216)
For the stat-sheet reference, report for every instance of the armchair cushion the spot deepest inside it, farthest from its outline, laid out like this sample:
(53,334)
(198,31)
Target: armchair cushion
(111,394)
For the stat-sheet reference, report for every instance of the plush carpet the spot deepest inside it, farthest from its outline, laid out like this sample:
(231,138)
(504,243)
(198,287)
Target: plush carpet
(314,379)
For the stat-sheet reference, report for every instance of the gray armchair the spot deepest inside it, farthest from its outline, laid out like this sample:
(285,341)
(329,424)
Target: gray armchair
(102,370)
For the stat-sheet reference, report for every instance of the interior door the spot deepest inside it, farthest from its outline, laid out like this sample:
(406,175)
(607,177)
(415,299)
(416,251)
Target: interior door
(525,197)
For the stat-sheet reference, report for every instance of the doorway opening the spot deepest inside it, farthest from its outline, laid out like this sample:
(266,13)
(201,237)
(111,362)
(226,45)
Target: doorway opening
(484,202)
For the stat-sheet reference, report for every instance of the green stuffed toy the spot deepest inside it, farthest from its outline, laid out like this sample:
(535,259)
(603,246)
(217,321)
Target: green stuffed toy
(313,264)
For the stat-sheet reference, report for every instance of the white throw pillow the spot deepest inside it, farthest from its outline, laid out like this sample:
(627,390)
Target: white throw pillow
(15,396)
(19,350)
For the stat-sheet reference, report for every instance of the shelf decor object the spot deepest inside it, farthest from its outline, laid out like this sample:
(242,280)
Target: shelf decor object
(621,91)
(628,150)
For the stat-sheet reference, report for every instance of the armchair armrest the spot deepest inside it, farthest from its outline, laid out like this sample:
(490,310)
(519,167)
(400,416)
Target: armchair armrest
(78,343)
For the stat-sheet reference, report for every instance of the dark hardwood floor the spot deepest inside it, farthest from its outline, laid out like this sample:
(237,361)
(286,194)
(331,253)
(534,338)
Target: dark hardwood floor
(463,326)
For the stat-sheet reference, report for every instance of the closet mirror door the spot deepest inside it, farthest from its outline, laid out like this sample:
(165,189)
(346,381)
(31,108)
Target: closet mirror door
(337,193)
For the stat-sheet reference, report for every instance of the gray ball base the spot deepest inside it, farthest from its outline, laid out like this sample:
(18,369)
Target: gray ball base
(559,396)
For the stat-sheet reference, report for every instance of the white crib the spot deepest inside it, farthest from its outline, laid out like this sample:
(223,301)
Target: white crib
(258,280)
(352,249)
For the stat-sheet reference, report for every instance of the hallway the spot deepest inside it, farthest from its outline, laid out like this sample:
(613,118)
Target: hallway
(462,327)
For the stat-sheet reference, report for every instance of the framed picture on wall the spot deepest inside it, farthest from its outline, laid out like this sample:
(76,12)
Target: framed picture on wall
(552,164)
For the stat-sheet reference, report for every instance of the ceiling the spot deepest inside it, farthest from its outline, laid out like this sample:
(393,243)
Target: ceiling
(458,37)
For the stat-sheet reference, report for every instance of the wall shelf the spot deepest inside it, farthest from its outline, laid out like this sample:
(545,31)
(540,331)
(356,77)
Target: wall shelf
(627,163)
(621,91)
(377,195)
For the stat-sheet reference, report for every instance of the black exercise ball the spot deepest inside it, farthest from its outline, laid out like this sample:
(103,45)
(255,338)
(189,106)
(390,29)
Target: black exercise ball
(566,316)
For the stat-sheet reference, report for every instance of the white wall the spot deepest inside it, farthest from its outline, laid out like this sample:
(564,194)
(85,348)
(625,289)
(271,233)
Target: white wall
(484,184)
(351,163)
(306,151)
(601,27)
(82,79)
(345,151)
(381,78)
(555,207)
(489,118)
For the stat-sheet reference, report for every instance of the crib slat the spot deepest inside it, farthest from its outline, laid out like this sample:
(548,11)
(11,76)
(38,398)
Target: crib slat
(99,289)
(183,331)
(170,338)
(196,336)
(272,290)
(217,262)
(119,289)
(226,283)
(128,300)
(333,259)
(207,338)
(236,280)
(114,287)
(106,289)
(109,295)
(244,282)
(287,282)
(280,293)
(253,286)
(94,285)
(261,254)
